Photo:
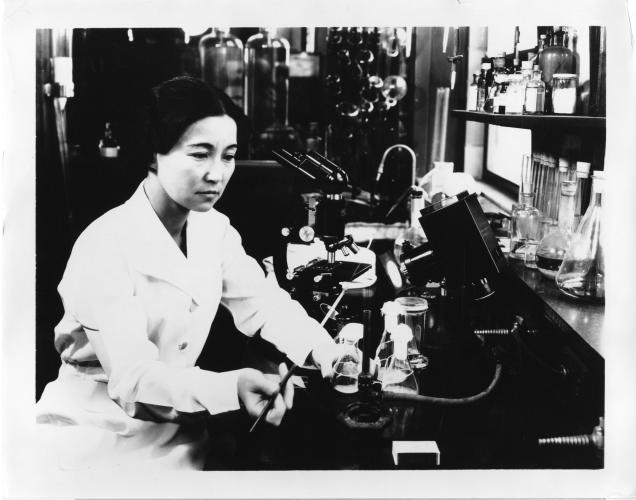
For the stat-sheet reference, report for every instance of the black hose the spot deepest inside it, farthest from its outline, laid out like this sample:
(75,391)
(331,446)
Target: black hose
(447,401)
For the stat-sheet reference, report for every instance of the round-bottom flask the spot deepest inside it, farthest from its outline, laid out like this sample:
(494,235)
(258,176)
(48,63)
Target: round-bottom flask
(349,364)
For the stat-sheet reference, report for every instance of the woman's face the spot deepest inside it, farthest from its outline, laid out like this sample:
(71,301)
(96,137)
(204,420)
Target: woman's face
(196,170)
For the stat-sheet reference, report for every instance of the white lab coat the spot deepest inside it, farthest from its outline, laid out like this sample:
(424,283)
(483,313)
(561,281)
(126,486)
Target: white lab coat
(140,311)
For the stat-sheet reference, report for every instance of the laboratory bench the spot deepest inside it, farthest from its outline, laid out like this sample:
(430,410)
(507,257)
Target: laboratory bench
(551,384)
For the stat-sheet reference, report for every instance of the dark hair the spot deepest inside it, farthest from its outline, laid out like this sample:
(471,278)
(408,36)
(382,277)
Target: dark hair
(178,103)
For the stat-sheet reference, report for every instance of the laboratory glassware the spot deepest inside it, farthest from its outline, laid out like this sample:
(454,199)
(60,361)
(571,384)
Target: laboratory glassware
(266,90)
(413,314)
(554,245)
(222,63)
(535,93)
(471,101)
(556,58)
(348,366)
(515,94)
(582,191)
(525,219)
(582,273)
(399,376)
(482,87)
(564,93)
(390,310)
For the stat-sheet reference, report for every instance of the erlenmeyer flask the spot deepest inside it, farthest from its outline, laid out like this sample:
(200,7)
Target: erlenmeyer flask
(399,376)
(349,363)
(582,273)
(391,310)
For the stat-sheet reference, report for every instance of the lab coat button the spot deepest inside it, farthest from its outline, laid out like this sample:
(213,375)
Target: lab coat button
(182,345)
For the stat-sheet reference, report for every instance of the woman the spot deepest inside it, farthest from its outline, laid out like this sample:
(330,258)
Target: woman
(140,291)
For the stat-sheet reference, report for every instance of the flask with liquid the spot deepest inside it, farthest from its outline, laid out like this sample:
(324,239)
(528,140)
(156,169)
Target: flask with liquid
(553,246)
(390,310)
(222,63)
(582,273)
(399,376)
(349,364)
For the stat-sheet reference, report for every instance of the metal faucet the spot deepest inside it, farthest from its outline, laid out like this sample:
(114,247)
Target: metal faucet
(386,153)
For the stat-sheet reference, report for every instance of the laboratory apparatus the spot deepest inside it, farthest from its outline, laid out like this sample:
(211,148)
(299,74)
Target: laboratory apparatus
(267,92)
(554,244)
(390,311)
(348,366)
(222,63)
(564,88)
(413,314)
(108,144)
(582,198)
(399,376)
(582,273)
(556,58)
(525,218)
(535,93)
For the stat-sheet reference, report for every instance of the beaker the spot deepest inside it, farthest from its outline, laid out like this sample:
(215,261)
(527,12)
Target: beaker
(582,272)
(414,316)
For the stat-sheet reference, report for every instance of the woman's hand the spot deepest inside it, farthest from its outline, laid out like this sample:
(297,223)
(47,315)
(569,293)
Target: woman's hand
(255,389)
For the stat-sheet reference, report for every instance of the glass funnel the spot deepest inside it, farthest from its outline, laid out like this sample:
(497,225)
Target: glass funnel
(582,273)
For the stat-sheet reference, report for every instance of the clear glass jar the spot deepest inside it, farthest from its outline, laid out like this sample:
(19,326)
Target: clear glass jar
(564,93)
(535,94)
(413,314)
(222,63)
(515,94)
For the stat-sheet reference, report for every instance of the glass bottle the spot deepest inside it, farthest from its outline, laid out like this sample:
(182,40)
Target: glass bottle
(553,246)
(515,93)
(390,310)
(556,58)
(471,100)
(582,273)
(582,191)
(535,93)
(399,376)
(222,63)
(482,87)
(349,364)
(108,145)
(266,91)
(525,219)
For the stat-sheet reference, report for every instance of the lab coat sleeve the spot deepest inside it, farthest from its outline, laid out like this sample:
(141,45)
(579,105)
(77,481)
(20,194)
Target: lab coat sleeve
(97,289)
(257,303)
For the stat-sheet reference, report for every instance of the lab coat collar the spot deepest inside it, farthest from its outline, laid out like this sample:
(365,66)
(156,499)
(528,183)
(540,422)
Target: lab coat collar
(155,253)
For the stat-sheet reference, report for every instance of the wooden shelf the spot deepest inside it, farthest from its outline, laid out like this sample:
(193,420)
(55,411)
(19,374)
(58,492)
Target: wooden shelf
(532,121)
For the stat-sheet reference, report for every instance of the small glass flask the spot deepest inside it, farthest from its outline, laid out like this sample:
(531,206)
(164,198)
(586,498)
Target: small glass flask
(553,246)
(399,376)
(391,311)
(525,219)
(349,364)
(582,273)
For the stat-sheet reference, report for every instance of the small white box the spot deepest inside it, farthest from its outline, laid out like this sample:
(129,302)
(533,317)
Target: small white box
(415,448)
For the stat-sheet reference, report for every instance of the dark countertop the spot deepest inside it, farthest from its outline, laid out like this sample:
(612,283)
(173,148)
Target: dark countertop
(584,319)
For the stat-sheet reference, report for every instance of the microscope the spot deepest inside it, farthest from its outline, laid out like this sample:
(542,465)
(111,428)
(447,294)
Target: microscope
(316,284)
